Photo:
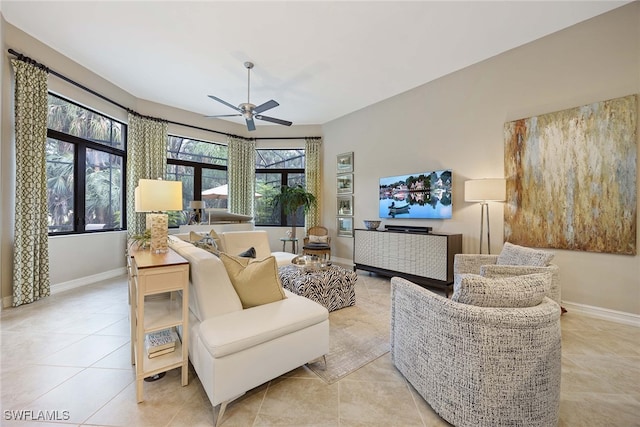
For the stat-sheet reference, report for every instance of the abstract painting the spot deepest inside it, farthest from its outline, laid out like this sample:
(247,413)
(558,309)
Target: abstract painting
(571,178)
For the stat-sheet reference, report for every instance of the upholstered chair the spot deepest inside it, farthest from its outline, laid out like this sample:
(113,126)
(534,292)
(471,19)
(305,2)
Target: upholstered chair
(488,357)
(317,242)
(514,260)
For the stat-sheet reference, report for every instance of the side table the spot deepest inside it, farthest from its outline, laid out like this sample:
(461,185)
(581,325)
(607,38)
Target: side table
(164,280)
(294,244)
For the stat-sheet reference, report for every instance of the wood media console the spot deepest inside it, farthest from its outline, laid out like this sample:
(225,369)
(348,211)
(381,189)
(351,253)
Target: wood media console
(414,253)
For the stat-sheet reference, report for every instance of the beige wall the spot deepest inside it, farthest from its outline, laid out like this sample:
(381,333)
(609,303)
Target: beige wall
(454,122)
(96,256)
(457,122)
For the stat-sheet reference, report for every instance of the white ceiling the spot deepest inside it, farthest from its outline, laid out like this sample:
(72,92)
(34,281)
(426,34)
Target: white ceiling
(319,59)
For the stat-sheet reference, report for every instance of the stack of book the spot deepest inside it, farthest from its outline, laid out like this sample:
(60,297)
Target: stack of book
(160,342)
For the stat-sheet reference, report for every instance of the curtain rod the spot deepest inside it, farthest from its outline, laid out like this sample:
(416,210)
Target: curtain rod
(25,58)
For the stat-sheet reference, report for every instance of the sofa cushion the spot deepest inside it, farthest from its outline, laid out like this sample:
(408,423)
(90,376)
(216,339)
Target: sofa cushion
(234,332)
(212,293)
(519,255)
(518,291)
(256,282)
(235,242)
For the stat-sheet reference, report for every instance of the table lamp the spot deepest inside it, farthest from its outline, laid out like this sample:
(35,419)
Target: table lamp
(155,196)
(483,191)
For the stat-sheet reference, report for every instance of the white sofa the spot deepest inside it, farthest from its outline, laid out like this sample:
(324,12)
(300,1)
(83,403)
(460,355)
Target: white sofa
(238,241)
(235,242)
(233,349)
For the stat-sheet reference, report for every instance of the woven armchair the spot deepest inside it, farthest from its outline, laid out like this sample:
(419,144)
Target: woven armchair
(321,245)
(485,265)
(478,366)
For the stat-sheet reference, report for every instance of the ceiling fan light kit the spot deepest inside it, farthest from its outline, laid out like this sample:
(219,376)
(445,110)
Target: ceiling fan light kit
(250,111)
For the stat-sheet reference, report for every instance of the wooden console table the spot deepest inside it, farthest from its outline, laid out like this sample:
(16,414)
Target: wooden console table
(423,258)
(164,280)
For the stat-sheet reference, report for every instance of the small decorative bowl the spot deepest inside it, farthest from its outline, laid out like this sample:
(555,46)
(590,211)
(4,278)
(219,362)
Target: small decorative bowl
(371,224)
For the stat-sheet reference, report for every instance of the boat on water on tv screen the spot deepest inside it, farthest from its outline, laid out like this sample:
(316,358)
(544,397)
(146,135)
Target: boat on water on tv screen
(425,195)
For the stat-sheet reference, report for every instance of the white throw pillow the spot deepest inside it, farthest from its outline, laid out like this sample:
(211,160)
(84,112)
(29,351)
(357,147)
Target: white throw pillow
(318,239)
(517,291)
(519,255)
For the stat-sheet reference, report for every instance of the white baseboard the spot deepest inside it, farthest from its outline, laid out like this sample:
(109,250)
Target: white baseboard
(343,261)
(87,280)
(73,284)
(603,313)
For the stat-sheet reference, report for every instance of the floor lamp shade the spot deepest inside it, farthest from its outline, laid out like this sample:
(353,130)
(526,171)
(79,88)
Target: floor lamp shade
(155,196)
(483,191)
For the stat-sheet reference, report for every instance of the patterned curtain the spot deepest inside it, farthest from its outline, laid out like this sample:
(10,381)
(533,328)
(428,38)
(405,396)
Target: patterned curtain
(146,159)
(241,175)
(31,245)
(313,179)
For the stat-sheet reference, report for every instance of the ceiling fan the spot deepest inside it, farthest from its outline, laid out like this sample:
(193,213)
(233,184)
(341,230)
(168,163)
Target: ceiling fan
(250,111)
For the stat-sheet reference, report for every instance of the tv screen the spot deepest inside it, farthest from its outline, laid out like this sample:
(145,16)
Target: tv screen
(424,195)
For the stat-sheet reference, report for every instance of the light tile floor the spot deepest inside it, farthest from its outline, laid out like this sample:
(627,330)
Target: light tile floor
(70,353)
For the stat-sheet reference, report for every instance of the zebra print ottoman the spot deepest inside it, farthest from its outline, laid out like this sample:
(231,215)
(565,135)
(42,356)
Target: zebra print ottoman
(332,287)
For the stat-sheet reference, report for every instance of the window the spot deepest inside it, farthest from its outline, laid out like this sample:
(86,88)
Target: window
(274,169)
(202,168)
(85,158)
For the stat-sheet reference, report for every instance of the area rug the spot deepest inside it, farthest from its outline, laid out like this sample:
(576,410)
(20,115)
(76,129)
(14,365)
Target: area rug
(358,335)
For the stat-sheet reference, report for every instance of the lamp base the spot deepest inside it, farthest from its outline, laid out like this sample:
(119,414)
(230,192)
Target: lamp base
(484,206)
(158,223)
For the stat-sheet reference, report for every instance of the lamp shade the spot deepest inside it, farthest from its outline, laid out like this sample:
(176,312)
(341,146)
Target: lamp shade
(155,195)
(485,190)
(197,204)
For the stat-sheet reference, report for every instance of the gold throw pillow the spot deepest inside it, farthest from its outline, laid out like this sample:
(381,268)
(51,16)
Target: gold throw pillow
(255,282)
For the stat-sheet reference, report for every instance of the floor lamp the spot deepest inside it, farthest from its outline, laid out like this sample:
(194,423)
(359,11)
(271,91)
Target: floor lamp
(484,191)
(155,196)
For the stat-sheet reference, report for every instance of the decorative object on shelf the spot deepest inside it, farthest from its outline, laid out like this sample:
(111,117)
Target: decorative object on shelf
(141,240)
(345,205)
(345,162)
(345,183)
(484,191)
(288,234)
(371,224)
(154,196)
(290,199)
(160,342)
(345,226)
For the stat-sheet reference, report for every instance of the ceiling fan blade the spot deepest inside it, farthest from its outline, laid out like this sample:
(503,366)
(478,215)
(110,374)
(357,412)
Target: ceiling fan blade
(266,106)
(222,115)
(224,102)
(274,120)
(250,124)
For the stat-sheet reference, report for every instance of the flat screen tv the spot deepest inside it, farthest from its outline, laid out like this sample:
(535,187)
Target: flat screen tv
(424,195)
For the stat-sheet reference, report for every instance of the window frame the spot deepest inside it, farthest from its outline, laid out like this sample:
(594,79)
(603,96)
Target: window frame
(198,167)
(284,179)
(80,146)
